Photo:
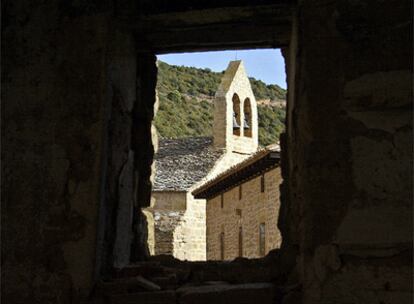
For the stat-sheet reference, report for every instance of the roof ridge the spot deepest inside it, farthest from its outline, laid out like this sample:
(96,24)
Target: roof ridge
(186,137)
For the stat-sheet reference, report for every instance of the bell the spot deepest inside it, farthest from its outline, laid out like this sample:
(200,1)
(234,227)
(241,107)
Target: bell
(245,124)
(235,124)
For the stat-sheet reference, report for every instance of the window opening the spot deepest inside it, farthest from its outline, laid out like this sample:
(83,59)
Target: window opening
(240,241)
(189,114)
(222,246)
(262,239)
(240,192)
(247,121)
(262,183)
(236,115)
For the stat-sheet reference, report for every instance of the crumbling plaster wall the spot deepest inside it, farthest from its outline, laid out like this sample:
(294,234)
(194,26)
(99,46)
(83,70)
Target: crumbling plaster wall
(54,84)
(68,159)
(348,151)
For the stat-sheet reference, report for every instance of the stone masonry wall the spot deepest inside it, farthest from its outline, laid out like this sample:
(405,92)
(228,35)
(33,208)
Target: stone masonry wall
(169,200)
(167,209)
(190,236)
(54,92)
(69,89)
(256,207)
(349,151)
(166,223)
(179,225)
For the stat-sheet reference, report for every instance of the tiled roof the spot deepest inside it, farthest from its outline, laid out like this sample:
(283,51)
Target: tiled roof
(182,162)
(261,161)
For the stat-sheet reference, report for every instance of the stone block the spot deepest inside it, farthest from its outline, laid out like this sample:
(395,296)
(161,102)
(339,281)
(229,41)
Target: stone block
(166,282)
(223,294)
(125,285)
(159,297)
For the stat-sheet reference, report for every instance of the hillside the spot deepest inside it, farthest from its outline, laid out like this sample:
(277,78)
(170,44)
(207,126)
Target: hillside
(186,108)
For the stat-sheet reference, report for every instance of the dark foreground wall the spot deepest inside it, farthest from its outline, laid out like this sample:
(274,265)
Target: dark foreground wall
(350,145)
(53,91)
(69,168)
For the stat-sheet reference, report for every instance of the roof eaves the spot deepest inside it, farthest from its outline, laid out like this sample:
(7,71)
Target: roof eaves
(240,173)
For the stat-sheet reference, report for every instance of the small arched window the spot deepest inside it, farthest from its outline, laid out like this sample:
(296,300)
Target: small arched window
(236,115)
(247,122)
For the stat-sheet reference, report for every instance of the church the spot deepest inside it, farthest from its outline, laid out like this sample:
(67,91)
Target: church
(176,219)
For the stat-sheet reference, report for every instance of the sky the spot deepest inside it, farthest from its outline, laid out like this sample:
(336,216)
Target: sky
(267,65)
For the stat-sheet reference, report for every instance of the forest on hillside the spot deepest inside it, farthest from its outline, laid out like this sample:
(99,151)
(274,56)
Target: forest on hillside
(186,108)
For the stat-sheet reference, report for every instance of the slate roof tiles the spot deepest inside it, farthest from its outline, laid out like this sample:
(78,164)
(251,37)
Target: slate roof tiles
(182,162)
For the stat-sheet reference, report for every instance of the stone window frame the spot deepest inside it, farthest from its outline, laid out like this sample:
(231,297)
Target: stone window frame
(274,27)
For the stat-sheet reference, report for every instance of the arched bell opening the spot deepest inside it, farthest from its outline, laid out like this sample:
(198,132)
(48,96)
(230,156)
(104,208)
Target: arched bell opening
(236,115)
(247,121)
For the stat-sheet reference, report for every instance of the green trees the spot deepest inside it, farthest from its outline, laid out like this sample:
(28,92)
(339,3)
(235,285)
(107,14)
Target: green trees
(186,109)
(264,91)
(271,124)
(174,96)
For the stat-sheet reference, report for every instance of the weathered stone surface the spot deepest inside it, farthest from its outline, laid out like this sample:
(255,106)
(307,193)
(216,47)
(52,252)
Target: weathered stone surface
(125,285)
(146,284)
(169,281)
(390,89)
(122,246)
(144,269)
(224,294)
(159,297)
(347,176)
(369,280)
(326,259)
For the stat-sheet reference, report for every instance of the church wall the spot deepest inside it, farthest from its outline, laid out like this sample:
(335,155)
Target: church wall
(166,211)
(190,236)
(179,225)
(228,160)
(169,200)
(255,207)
